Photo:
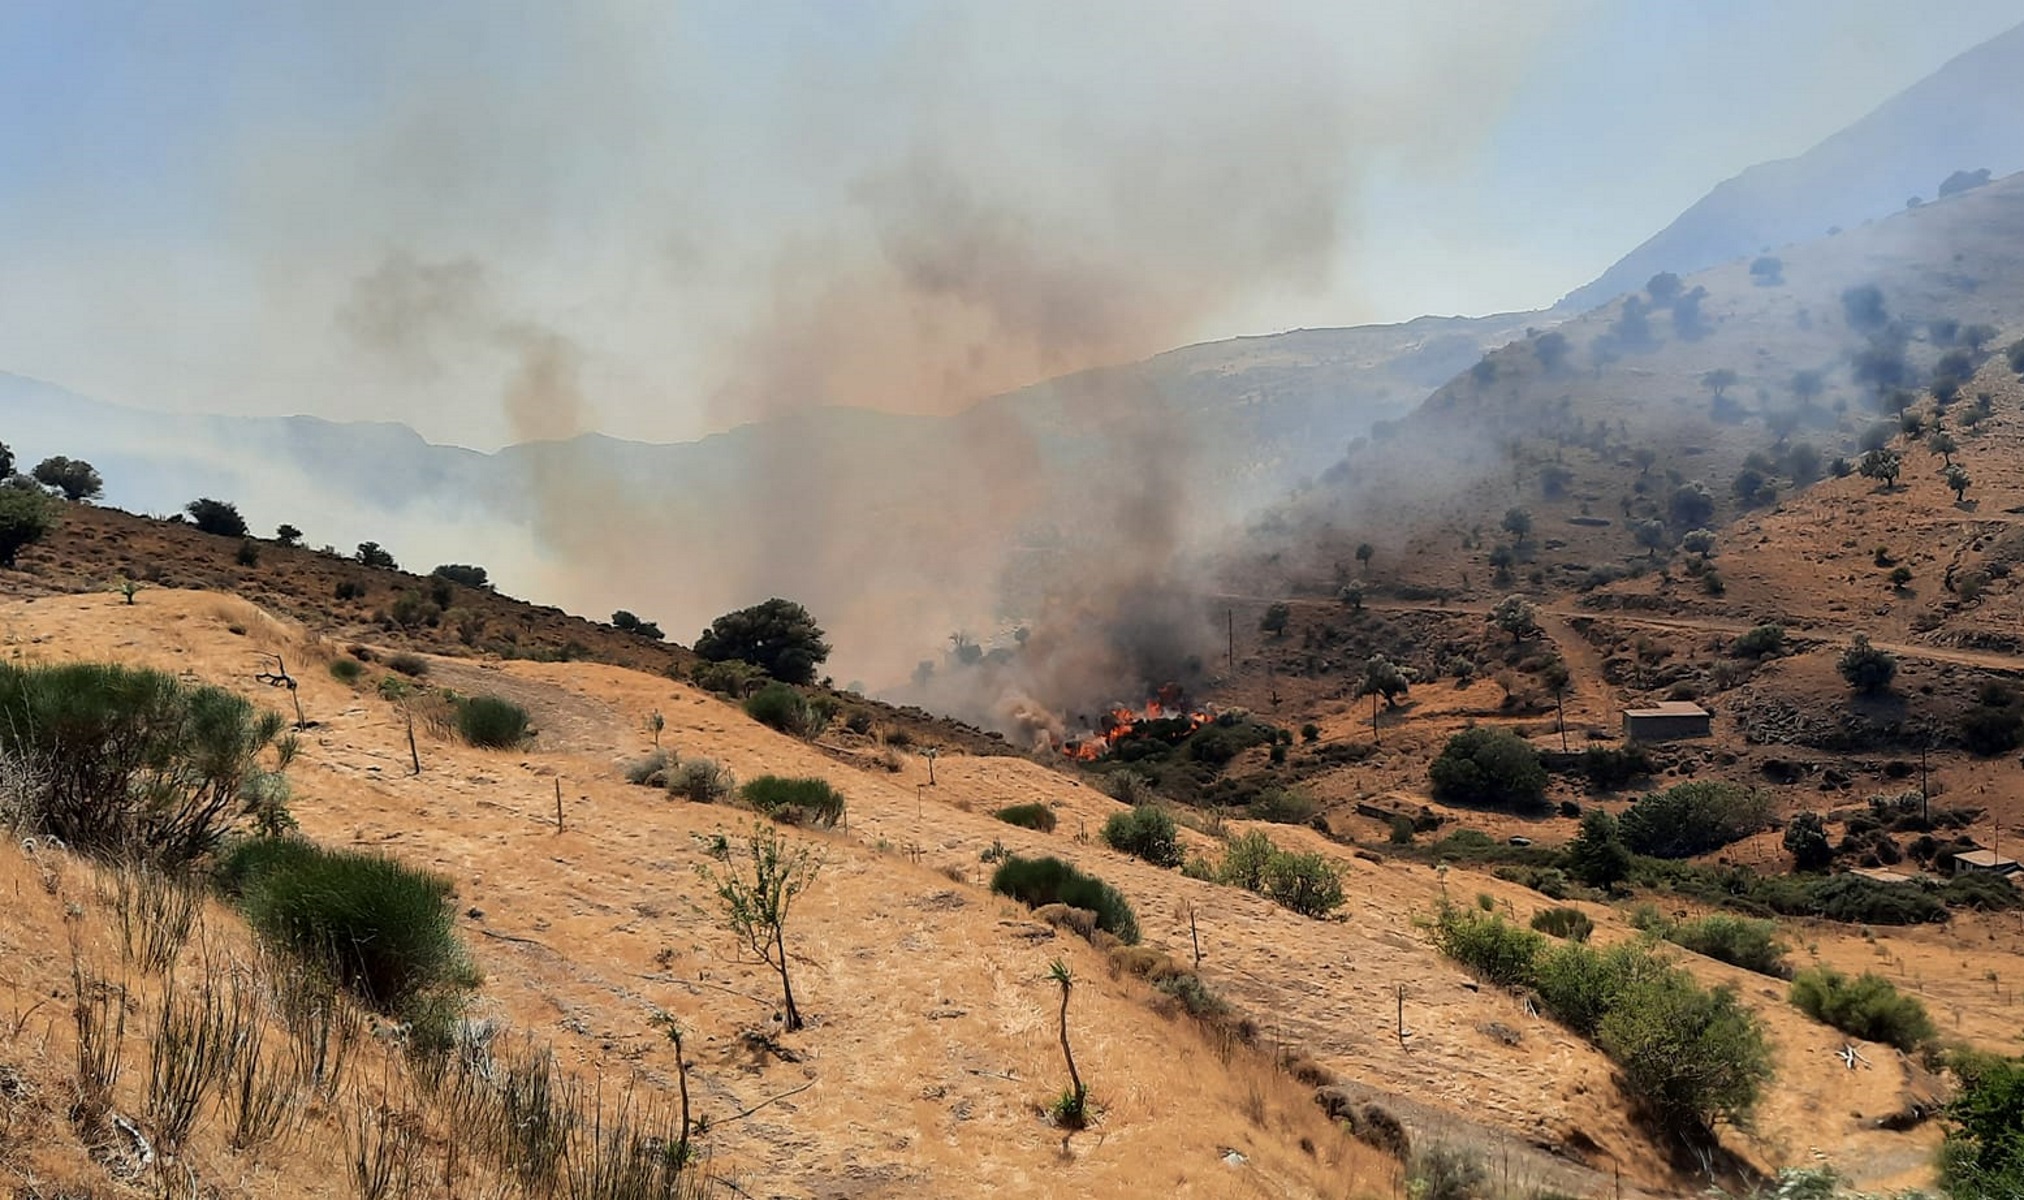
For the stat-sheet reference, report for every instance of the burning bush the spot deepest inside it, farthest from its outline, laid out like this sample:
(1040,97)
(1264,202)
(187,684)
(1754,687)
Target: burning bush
(1145,832)
(1037,881)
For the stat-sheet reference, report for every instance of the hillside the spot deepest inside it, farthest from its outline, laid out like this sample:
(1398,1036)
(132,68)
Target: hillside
(1962,117)
(929,1049)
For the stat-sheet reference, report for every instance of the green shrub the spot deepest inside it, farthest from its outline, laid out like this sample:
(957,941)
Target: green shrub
(1745,942)
(1146,832)
(1981,891)
(1988,730)
(1608,768)
(1597,856)
(1447,1172)
(734,678)
(1687,1054)
(1244,861)
(1762,641)
(1579,984)
(701,781)
(1283,806)
(414,666)
(25,518)
(1037,881)
(784,708)
(1308,884)
(129,763)
(1028,816)
(1493,948)
(1694,818)
(1868,1007)
(491,722)
(1983,1156)
(347,670)
(794,799)
(383,929)
(1570,924)
(1490,767)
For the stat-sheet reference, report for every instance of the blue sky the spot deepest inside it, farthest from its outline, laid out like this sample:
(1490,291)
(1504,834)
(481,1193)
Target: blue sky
(514,218)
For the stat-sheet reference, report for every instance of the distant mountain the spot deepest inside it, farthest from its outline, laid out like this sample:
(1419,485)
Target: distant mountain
(1965,116)
(842,508)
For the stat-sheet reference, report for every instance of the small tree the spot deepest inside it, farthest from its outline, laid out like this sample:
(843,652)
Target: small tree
(1958,482)
(216,517)
(1518,523)
(1867,669)
(6,460)
(1692,506)
(1382,677)
(372,554)
(1597,855)
(1515,616)
(287,535)
(777,636)
(757,896)
(1766,271)
(1719,380)
(464,575)
(1492,767)
(74,477)
(1644,457)
(1806,841)
(1275,618)
(1942,443)
(1363,553)
(1650,534)
(1881,464)
(25,518)
(1071,1111)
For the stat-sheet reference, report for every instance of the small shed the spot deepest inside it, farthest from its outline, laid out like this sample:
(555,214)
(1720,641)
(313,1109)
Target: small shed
(1985,860)
(1671,721)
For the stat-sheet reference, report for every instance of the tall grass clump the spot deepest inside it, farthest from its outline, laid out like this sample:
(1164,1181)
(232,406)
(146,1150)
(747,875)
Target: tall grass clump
(129,764)
(1569,924)
(1037,881)
(1146,832)
(1868,1007)
(794,801)
(1028,816)
(383,929)
(492,722)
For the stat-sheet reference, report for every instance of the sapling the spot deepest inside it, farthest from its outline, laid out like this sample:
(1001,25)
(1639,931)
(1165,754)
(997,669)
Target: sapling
(1071,1111)
(757,896)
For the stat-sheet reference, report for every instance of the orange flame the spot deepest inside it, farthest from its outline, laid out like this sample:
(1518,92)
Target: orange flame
(1121,722)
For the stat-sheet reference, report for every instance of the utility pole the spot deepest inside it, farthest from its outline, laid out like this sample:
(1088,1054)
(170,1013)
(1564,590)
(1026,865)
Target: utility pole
(1230,614)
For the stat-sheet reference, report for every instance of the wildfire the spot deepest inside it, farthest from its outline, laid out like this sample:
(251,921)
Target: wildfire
(1168,708)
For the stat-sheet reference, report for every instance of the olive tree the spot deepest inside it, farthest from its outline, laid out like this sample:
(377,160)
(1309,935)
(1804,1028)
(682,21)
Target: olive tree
(778,636)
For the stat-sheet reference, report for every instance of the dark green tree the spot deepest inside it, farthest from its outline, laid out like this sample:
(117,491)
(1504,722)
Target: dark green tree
(778,636)
(1867,669)
(74,477)
(216,517)
(1597,855)
(1806,841)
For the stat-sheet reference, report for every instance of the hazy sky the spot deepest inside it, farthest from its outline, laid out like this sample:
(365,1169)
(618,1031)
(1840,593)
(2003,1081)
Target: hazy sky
(503,219)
